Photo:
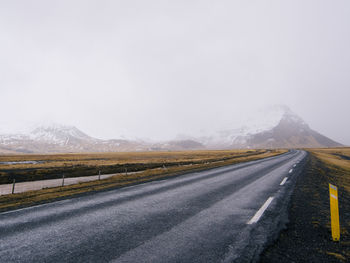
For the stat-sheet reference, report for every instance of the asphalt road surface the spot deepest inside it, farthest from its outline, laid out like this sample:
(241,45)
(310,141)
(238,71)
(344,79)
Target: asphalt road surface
(225,214)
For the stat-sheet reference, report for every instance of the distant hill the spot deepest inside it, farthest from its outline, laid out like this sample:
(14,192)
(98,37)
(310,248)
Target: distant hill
(276,127)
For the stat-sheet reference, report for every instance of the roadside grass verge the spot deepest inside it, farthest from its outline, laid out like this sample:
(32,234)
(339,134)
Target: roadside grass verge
(307,237)
(337,160)
(335,164)
(13,201)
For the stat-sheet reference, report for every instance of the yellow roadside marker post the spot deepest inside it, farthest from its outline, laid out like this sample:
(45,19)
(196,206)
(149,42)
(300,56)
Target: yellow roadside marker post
(333,199)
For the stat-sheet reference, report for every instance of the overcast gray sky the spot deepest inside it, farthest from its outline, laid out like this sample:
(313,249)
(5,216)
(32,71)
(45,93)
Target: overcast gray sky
(159,68)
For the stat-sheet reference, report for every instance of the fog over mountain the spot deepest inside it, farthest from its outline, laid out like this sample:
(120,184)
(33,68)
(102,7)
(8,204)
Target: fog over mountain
(157,70)
(276,127)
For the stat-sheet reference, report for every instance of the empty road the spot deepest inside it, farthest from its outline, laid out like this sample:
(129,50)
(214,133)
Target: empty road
(220,215)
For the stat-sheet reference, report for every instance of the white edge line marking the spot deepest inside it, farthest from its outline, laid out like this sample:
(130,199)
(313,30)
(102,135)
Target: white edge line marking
(284,181)
(260,212)
(34,206)
(290,171)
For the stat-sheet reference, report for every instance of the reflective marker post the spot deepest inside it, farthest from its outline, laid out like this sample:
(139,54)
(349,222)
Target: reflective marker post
(333,197)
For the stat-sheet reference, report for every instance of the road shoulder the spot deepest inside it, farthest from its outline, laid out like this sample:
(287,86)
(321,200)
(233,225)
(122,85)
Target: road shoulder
(307,236)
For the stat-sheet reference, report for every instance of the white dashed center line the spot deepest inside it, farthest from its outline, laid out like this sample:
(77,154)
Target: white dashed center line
(284,181)
(290,171)
(260,212)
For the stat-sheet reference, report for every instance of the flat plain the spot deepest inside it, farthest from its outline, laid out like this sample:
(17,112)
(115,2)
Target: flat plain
(148,165)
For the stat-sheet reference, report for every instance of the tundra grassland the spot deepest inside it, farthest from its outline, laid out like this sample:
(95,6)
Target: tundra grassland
(151,166)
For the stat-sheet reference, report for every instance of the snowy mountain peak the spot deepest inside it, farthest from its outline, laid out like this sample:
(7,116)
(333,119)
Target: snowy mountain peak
(274,126)
(278,127)
(267,118)
(59,129)
(57,133)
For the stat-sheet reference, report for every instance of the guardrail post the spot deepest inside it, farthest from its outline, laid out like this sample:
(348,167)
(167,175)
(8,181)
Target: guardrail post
(333,199)
(99,175)
(13,186)
(62,180)
(126,171)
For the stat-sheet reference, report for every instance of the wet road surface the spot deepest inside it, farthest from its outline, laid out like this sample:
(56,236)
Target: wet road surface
(220,215)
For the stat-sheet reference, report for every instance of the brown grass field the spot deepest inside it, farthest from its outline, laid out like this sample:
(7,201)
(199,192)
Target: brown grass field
(74,165)
(338,162)
(150,164)
(335,166)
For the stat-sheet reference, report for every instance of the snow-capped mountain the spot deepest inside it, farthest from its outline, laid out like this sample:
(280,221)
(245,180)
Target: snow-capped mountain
(59,134)
(49,138)
(61,138)
(274,127)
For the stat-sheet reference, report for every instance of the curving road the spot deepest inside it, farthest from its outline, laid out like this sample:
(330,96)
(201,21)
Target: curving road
(221,215)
